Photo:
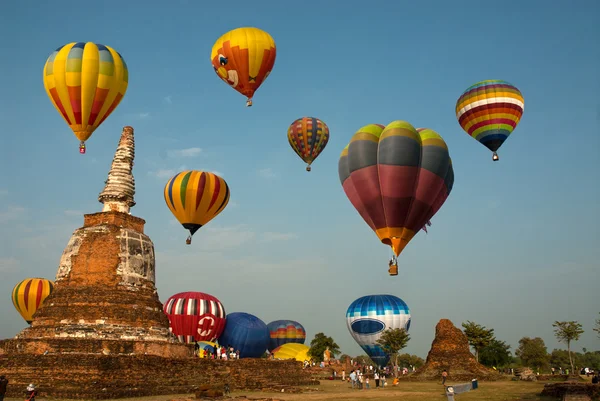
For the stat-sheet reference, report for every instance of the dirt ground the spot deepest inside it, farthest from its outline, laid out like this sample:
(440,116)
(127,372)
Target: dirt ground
(405,391)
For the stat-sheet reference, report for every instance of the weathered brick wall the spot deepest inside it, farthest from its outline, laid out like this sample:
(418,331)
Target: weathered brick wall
(79,376)
(559,390)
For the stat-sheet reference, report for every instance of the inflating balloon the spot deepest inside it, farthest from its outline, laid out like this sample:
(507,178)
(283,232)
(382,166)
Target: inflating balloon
(295,351)
(195,316)
(29,295)
(489,111)
(284,332)
(308,136)
(195,198)
(369,316)
(206,345)
(85,82)
(246,333)
(397,178)
(243,58)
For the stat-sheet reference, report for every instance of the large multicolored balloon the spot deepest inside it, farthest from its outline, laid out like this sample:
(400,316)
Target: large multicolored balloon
(295,351)
(206,345)
(195,316)
(308,136)
(284,332)
(85,82)
(397,178)
(29,295)
(243,58)
(489,111)
(369,316)
(246,333)
(195,198)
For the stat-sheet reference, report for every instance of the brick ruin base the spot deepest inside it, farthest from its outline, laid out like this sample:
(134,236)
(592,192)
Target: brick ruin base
(129,374)
(564,389)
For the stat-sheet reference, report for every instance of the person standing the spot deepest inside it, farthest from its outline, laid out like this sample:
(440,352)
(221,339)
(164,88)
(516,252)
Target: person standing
(444,376)
(3,385)
(30,392)
(376,377)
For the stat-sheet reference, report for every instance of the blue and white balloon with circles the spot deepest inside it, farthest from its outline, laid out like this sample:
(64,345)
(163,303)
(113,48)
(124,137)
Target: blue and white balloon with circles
(369,316)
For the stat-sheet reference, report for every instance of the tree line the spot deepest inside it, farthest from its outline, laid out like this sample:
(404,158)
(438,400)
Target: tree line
(488,350)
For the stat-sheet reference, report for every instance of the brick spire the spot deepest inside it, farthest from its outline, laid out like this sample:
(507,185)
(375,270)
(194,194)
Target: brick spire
(120,186)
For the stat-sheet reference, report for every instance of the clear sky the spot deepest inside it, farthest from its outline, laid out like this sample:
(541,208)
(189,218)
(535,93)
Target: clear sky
(514,248)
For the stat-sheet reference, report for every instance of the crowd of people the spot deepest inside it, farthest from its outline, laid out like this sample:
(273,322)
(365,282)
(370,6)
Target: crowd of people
(217,352)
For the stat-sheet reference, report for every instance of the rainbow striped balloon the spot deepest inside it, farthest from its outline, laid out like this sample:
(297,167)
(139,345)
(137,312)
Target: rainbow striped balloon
(308,136)
(29,295)
(85,82)
(489,111)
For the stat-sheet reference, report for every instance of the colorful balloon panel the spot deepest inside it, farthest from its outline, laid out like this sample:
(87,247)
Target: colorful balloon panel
(196,197)
(195,316)
(369,316)
(29,295)
(243,58)
(246,333)
(284,332)
(85,82)
(397,178)
(295,351)
(206,345)
(489,111)
(308,136)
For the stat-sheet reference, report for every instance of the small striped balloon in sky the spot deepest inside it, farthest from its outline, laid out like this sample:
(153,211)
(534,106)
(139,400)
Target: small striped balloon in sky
(29,295)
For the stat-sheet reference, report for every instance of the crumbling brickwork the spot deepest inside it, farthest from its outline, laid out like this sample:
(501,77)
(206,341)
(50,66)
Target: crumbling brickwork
(89,376)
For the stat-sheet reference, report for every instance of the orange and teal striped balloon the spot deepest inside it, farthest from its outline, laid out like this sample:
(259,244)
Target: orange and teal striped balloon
(308,136)
(29,294)
(85,82)
(195,198)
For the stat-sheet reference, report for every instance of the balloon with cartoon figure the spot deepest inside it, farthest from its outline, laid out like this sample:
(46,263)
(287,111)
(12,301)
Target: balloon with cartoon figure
(243,58)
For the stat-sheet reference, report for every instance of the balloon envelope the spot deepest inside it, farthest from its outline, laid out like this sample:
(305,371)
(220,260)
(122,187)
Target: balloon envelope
(397,178)
(369,316)
(206,345)
(85,82)
(489,111)
(308,136)
(195,316)
(295,351)
(243,58)
(285,331)
(196,197)
(29,295)
(246,333)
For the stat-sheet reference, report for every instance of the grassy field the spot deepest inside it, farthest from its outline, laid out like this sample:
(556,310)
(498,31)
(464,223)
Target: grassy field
(406,391)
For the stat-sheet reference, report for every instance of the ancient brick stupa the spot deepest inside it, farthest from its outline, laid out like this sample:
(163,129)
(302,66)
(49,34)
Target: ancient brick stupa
(450,351)
(104,300)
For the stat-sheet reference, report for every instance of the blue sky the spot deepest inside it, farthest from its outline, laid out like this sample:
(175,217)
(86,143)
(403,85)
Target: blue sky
(514,247)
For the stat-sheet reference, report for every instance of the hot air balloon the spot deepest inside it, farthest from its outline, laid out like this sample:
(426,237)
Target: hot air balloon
(489,111)
(85,82)
(295,351)
(284,332)
(308,136)
(206,345)
(29,295)
(397,178)
(244,58)
(195,198)
(369,316)
(195,316)
(246,333)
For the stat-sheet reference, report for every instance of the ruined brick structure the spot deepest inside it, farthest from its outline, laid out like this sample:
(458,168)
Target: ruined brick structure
(102,332)
(450,351)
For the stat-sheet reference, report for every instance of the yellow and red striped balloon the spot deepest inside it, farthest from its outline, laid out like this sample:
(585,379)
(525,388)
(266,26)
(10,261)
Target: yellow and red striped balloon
(29,295)
(85,82)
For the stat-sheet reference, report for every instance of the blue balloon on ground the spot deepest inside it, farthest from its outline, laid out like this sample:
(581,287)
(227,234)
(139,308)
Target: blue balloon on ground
(369,316)
(246,333)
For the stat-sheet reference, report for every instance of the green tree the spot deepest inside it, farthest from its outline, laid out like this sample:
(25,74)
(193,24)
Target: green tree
(344,357)
(319,344)
(559,358)
(566,332)
(479,336)
(393,341)
(409,360)
(495,354)
(532,352)
(597,328)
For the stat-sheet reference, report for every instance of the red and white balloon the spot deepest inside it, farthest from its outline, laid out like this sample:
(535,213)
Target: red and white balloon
(195,316)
